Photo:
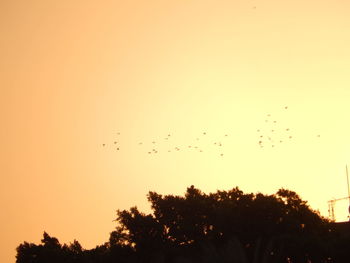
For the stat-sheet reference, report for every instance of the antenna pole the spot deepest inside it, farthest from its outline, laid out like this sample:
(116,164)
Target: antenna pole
(347,179)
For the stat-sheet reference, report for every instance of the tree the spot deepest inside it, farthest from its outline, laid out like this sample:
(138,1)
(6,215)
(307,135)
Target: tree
(220,227)
(49,251)
(282,225)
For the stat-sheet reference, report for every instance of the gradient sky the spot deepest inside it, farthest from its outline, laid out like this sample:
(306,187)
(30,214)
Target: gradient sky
(74,74)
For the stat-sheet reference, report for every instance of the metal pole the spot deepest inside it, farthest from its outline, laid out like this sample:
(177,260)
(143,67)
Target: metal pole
(347,179)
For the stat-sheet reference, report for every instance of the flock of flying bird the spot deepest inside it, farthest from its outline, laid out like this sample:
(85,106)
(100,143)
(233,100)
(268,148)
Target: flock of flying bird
(271,135)
(274,133)
(165,145)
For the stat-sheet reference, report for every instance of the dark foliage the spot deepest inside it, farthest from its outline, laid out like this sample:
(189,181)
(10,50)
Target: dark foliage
(226,226)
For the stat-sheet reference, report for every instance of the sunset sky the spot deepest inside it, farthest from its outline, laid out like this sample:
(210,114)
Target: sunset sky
(77,76)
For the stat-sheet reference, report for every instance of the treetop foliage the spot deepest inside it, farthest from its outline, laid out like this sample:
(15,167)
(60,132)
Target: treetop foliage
(234,226)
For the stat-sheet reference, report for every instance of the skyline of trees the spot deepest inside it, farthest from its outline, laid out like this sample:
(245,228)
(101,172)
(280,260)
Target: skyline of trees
(225,226)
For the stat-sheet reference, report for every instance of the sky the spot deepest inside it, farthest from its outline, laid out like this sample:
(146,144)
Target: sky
(195,83)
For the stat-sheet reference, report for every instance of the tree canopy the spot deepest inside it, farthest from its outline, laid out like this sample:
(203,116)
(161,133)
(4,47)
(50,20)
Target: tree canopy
(225,226)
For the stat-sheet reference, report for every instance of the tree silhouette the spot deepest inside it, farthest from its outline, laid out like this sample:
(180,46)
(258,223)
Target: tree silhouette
(49,251)
(225,226)
(282,225)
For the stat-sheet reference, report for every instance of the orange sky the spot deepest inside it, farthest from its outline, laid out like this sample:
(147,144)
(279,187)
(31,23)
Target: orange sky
(75,73)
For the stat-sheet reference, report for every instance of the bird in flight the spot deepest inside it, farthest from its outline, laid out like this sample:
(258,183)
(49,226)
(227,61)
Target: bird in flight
(172,148)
